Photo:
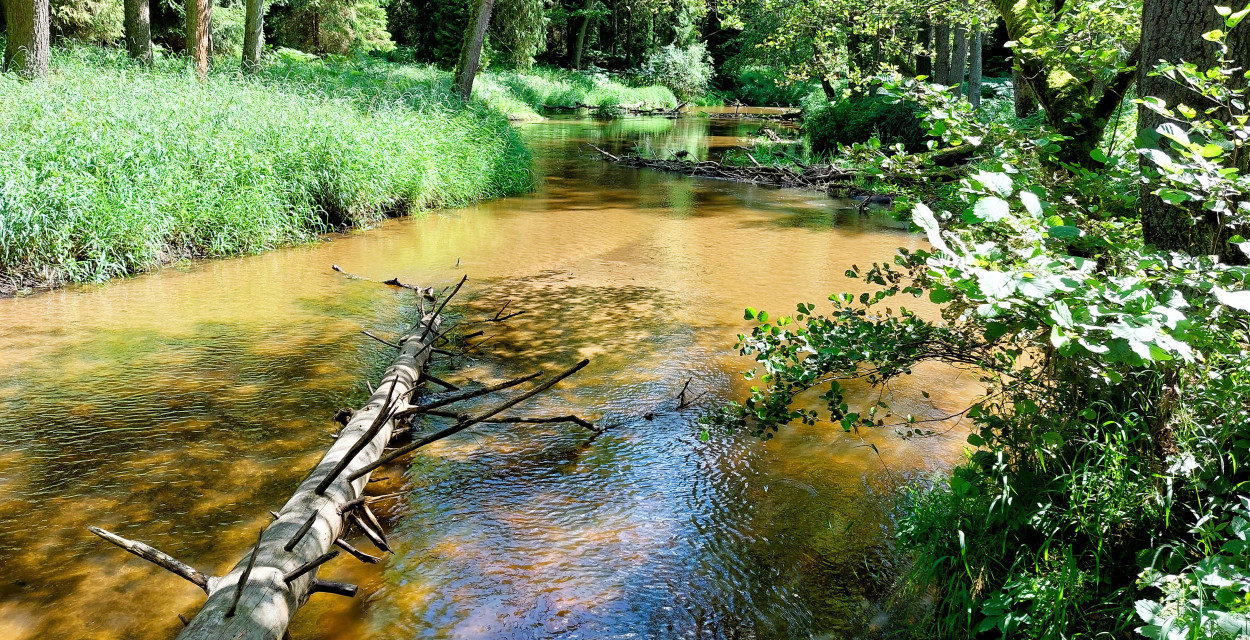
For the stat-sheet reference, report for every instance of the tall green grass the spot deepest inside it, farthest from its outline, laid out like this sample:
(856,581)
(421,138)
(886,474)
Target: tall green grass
(108,169)
(525,94)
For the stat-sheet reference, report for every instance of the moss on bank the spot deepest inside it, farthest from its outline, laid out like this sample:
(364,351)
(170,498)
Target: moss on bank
(109,169)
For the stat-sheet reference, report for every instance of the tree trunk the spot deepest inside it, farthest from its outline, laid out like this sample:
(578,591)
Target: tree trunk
(974,71)
(1172,31)
(942,54)
(1021,94)
(959,62)
(28,47)
(471,51)
(579,36)
(199,14)
(1073,108)
(924,60)
(138,30)
(253,34)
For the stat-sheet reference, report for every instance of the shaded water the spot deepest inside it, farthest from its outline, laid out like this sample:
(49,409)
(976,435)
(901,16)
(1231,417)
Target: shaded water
(177,408)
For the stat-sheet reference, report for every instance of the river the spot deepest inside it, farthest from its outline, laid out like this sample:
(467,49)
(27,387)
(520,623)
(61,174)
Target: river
(178,407)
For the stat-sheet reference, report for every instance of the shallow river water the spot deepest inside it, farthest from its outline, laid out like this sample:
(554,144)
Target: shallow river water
(177,408)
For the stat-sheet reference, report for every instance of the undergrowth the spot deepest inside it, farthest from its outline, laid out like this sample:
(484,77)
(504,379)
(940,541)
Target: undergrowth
(110,169)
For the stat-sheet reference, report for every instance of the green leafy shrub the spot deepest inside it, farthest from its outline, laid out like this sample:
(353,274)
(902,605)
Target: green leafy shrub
(859,119)
(765,87)
(686,71)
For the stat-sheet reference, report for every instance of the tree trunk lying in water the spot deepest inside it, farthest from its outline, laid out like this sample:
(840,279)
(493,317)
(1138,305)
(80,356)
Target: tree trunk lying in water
(258,597)
(835,181)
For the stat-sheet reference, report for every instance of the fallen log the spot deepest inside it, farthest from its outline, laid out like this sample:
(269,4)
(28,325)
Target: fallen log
(833,180)
(258,597)
(285,562)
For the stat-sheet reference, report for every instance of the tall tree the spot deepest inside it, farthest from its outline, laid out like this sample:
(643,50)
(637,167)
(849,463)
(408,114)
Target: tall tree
(199,16)
(471,51)
(28,47)
(577,39)
(253,34)
(138,29)
(959,62)
(1022,97)
(924,59)
(942,53)
(1172,32)
(1077,103)
(974,70)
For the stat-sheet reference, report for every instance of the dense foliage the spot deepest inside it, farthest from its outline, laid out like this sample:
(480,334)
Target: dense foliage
(1105,491)
(861,118)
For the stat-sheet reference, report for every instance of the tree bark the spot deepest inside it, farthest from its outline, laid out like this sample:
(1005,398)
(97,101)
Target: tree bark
(942,54)
(138,30)
(253,34)
(1021,94)
(924,59)
(28,47)
(579,36)
(199,15)
(471,51)
(1172,32)
(959,62)
(974,71)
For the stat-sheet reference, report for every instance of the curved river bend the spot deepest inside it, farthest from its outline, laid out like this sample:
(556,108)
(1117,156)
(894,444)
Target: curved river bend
(177,408)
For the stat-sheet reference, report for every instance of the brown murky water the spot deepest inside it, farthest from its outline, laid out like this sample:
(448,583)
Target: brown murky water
(177,408)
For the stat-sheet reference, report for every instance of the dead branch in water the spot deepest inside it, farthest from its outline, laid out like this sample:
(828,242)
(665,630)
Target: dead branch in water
(830,179)
(259,595)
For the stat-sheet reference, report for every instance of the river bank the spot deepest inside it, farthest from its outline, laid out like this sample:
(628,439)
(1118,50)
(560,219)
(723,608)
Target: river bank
(110,169)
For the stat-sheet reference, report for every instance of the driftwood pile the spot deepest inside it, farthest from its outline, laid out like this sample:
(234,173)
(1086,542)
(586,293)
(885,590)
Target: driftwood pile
(258,597)
(640,109)
(835,181)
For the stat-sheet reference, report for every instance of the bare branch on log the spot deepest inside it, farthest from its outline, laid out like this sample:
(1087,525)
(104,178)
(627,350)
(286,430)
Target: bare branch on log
(357,553)
(385,342)
(439,309)
(464,424)
(309,566)
(157,557)
(465,395)
(299,534)
(425,375)
(374,536)
(517,420)
(335,588)
(247,573)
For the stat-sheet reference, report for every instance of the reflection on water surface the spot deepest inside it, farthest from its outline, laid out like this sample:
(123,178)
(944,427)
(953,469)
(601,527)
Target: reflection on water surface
(178,408)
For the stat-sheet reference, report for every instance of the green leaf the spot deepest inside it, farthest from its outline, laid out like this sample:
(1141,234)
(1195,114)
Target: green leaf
(1064,232)
(1239,300)
(749,315)
(1031,203)
(938,295)
(1000,183)
(1098,156)
(1061,314)
(1213,36)
(1211,151)
(989,209)
(1236,18)
(995,330)
(1173,196)
(1173,131)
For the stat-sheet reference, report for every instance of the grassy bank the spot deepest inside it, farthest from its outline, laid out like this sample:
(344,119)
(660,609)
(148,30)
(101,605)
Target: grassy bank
(107,169)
